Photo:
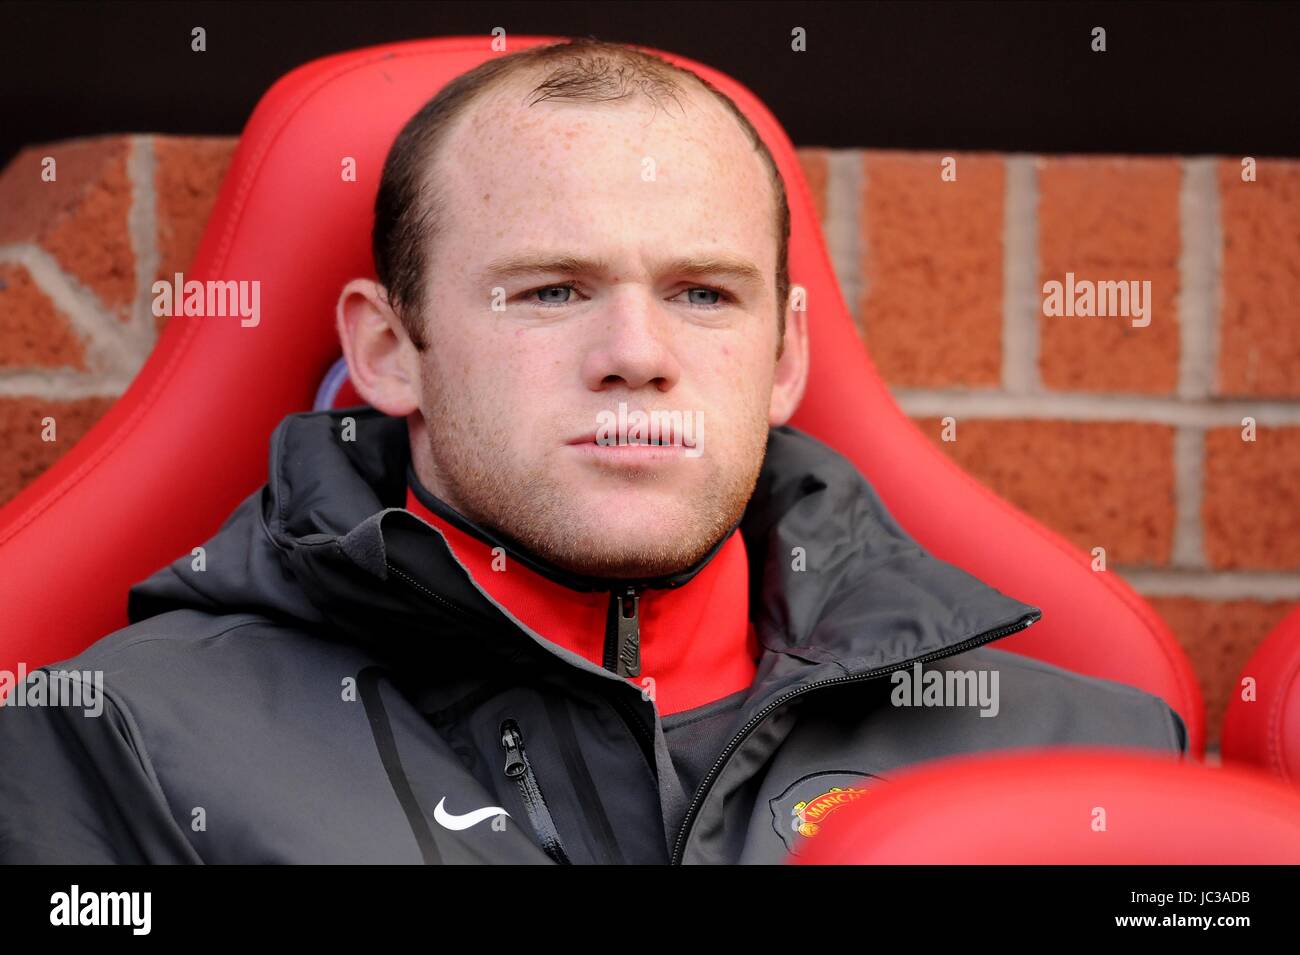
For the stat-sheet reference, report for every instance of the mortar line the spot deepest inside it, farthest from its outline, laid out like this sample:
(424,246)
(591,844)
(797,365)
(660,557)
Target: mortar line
(143,229)
(1214,585)
(844,191)
(1188,548)
(1074,406)
(1020,299)
(95,325)
(1198,277)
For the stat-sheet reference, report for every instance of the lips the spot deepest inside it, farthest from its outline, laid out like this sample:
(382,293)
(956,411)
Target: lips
(663,440)
(635,456)
(664,436)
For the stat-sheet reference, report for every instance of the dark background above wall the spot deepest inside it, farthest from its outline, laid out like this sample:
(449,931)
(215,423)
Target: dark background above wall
(1186,78)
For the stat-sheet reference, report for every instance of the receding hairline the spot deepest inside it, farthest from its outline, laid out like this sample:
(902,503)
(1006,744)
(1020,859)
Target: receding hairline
(525,81)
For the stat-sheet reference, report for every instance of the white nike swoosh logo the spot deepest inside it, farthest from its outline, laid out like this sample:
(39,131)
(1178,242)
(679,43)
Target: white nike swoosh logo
(456,823)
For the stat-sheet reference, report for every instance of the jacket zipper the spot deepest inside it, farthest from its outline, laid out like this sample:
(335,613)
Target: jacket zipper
(622,706)
(520,770)
(679,846)
(623,632)
(702,792)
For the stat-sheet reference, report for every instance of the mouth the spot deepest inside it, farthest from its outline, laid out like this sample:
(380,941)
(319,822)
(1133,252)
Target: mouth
(640,441)
(630,451)
(630,456)
(665,432)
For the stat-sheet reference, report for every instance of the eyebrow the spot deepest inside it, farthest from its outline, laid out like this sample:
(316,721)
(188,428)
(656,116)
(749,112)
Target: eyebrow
(697,266)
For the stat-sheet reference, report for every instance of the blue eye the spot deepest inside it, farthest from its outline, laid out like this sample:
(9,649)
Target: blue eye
(552,296)
(707,291)
(554,288)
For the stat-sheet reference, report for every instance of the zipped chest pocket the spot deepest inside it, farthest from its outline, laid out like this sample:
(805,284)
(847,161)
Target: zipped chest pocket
(519,769)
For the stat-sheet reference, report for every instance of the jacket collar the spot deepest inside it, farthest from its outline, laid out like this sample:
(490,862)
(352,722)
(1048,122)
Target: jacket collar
(834,580)
(694,643)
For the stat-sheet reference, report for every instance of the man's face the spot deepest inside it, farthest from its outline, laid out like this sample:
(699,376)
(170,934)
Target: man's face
(511,399)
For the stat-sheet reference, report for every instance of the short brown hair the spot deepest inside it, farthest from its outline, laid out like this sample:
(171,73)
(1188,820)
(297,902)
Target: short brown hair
(408,209)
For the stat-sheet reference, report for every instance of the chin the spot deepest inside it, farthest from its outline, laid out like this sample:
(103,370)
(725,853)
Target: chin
(631,539)
(653,518)
(622,565)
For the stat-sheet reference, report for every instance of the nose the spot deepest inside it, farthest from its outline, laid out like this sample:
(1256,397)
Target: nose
(630,345)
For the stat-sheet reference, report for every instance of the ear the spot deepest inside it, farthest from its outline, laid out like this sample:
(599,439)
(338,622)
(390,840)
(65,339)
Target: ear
(791,367)
(383,363)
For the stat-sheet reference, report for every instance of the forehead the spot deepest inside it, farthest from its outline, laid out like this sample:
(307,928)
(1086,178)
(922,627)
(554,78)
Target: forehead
(565,166)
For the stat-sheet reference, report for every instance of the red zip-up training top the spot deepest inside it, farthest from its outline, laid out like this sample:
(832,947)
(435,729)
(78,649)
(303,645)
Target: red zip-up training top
(697,643)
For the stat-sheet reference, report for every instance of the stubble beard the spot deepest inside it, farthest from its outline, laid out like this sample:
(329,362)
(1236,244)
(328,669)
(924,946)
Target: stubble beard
(474,472)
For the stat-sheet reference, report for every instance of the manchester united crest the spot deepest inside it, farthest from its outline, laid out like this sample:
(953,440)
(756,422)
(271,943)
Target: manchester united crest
(808,805)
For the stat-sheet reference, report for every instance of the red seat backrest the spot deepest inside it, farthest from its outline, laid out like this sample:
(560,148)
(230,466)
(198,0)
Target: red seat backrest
(1068,806)
(1262,724)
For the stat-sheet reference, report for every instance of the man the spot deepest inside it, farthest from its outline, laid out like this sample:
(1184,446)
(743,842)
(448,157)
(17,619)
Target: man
(570,589)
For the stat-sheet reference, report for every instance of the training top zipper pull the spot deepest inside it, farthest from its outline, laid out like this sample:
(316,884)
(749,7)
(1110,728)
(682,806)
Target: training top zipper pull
(623,633)
(514,762)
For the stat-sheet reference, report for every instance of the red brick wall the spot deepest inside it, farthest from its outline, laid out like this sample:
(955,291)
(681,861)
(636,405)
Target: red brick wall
(1122,437)
(1117,436)
(78,255)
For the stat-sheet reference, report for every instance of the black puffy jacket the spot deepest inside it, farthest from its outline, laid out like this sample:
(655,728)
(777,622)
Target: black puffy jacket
(334,687)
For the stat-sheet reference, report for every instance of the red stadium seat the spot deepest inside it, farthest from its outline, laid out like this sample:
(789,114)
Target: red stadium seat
(1265,731)
(1046,807)
(188,440)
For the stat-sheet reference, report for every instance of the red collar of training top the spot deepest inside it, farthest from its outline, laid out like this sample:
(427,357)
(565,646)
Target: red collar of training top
(697,644)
